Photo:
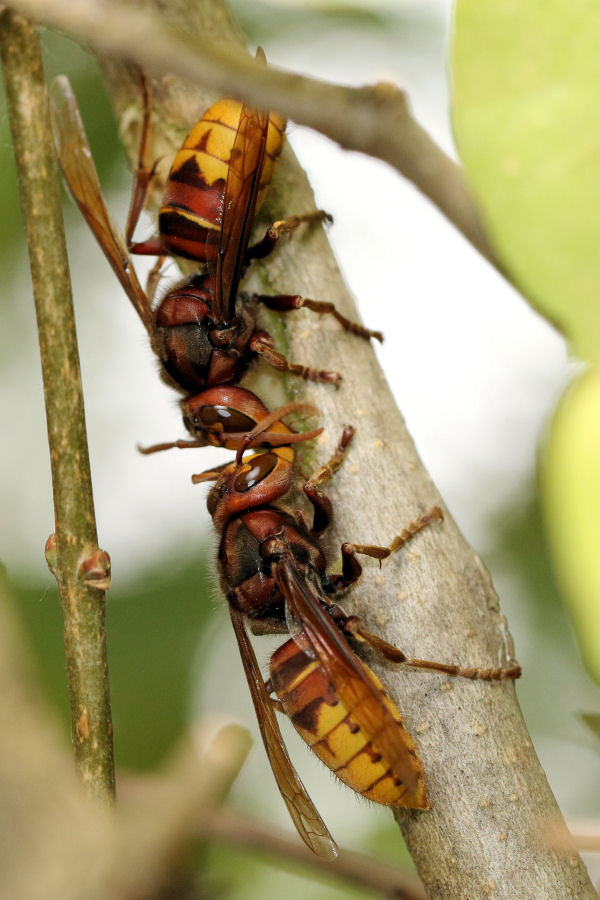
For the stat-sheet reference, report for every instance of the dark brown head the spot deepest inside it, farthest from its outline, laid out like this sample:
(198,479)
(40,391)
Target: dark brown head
(223,415)
(259,480)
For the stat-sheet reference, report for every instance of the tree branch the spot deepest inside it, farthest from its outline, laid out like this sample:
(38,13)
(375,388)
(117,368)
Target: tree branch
(81,569)
(585,834)
(373,119)
(157,823)
(354,869)
(490,798)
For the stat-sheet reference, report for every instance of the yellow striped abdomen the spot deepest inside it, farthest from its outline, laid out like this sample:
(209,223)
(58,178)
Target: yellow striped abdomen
(191,215)
(331,728)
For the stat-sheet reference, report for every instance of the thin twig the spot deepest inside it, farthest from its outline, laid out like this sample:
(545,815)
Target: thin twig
(374,119)
(585,834)
(355,869)
(78,563)
(157,818)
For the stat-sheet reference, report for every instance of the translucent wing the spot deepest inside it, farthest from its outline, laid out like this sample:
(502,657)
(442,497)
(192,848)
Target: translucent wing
(80,174)
(241,191)
(352,684)
(305,816)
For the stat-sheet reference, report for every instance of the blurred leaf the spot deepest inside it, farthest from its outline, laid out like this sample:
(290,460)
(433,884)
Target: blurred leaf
(386,843)
(527,122)
(571,486)
(592,720)
(154,628)
(518,549)
(270,22)
(248,873)
(11,223)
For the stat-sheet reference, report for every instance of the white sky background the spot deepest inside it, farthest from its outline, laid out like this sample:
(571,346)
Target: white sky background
(474,370)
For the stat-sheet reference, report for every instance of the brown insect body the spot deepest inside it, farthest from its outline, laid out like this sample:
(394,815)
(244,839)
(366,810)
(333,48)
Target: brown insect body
(215,186)
(203,331)
(195,351)
(273,572)
(271,565)
(246,564)
(226,160)
(344,733)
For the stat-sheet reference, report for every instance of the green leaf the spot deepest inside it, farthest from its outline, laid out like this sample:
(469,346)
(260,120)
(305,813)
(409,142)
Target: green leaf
(571,488)
(592,720)
(154,626)
(527,122)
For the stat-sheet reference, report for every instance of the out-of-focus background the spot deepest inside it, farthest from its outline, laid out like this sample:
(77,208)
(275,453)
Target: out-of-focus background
(474,370)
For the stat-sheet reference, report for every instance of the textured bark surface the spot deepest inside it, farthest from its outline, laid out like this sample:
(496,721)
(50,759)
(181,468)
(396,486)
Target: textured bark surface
(491,803)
